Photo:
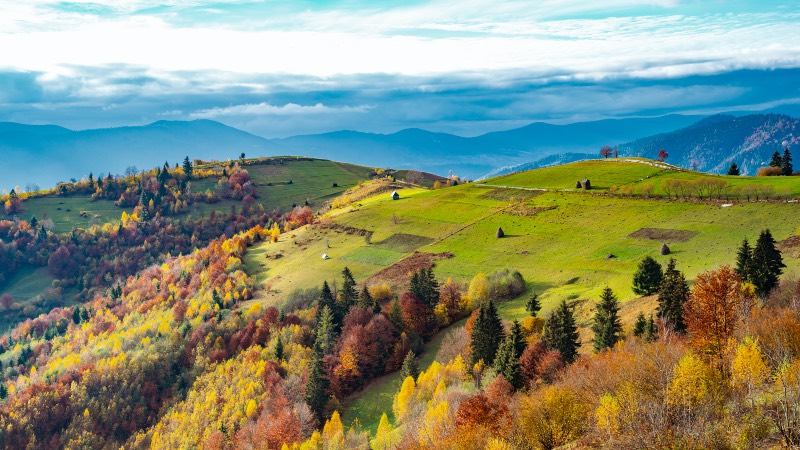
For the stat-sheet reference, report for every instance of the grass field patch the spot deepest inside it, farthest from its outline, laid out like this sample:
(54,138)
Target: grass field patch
(403,242)
(373,255)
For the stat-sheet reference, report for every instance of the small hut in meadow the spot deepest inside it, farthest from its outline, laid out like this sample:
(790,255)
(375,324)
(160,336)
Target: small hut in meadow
(586,184)
(395,195)
(500,233)
(664,249)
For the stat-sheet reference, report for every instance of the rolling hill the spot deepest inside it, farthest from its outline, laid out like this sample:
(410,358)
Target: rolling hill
(216,344)
(568,244)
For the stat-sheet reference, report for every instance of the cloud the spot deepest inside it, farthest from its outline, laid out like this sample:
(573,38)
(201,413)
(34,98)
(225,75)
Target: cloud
(266,109)
(279,68)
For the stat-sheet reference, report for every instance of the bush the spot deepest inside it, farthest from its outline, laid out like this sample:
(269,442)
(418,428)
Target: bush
(301,299)
(505,284)
(768,171)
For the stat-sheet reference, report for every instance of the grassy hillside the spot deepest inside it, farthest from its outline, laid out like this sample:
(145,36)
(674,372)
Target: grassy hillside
(635,173)
(312,181)
(568,245)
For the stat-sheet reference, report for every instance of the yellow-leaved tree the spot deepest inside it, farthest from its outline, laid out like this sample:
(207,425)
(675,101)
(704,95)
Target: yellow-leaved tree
(749,368)
(479,290)
(333,432)
(403,398)
(385,436)
(692,382)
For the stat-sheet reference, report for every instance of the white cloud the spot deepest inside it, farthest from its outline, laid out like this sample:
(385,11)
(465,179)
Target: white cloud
(521,36)
(266,109)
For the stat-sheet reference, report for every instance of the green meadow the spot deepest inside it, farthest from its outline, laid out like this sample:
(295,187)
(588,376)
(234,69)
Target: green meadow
(568,245)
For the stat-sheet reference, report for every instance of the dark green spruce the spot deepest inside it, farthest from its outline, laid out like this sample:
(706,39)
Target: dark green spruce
(647,279)
(766,265)
(487,334)
(534,305)
(561,333)
(606,325)
(674,293)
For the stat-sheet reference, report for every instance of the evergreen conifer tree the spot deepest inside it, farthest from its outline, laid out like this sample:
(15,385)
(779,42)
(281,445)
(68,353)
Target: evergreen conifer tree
(365,299)
(348,295)
(650,331)
(317,387)
(187,168)
(640,325)
(674,293)
(561,333)
(786,163)
(487,334)
(424,287)
(410,366)
(534,305)
(766,265)
(279,349)
(647,279)
(326,330)
(776,160)
(744,261)
(517,338)
(606,325)
(733,169)
(507,363)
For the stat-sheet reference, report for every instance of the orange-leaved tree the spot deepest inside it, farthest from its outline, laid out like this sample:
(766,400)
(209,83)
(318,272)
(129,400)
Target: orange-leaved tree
(717,300)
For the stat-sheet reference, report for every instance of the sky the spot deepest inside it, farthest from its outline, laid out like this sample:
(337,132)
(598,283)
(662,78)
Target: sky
(281,68)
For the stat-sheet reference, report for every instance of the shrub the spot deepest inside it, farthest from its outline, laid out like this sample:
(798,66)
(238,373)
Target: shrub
(505,284)
(768,171)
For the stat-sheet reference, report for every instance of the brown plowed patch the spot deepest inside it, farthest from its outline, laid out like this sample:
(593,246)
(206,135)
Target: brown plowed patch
(790,246)
(399,274)
(664,234)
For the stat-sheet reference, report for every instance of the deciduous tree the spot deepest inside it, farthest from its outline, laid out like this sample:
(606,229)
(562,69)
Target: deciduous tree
(711,312)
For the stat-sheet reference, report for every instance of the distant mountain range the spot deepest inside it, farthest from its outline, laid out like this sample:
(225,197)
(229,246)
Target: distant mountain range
(709,145)
(46,154)
(713,143)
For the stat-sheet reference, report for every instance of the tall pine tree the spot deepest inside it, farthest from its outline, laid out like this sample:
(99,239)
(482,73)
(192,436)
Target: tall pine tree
(326,330)
(507,363)
(317,387)
(674,293)
(534,305)
(561,333)
(744,261)
(410,366)
(326,299)
(187,168)
(767,264)
(733,169)
(606,325)
(517,338)
(487,334)
(776,160)
(786,163)
(348,295)
(647,279)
